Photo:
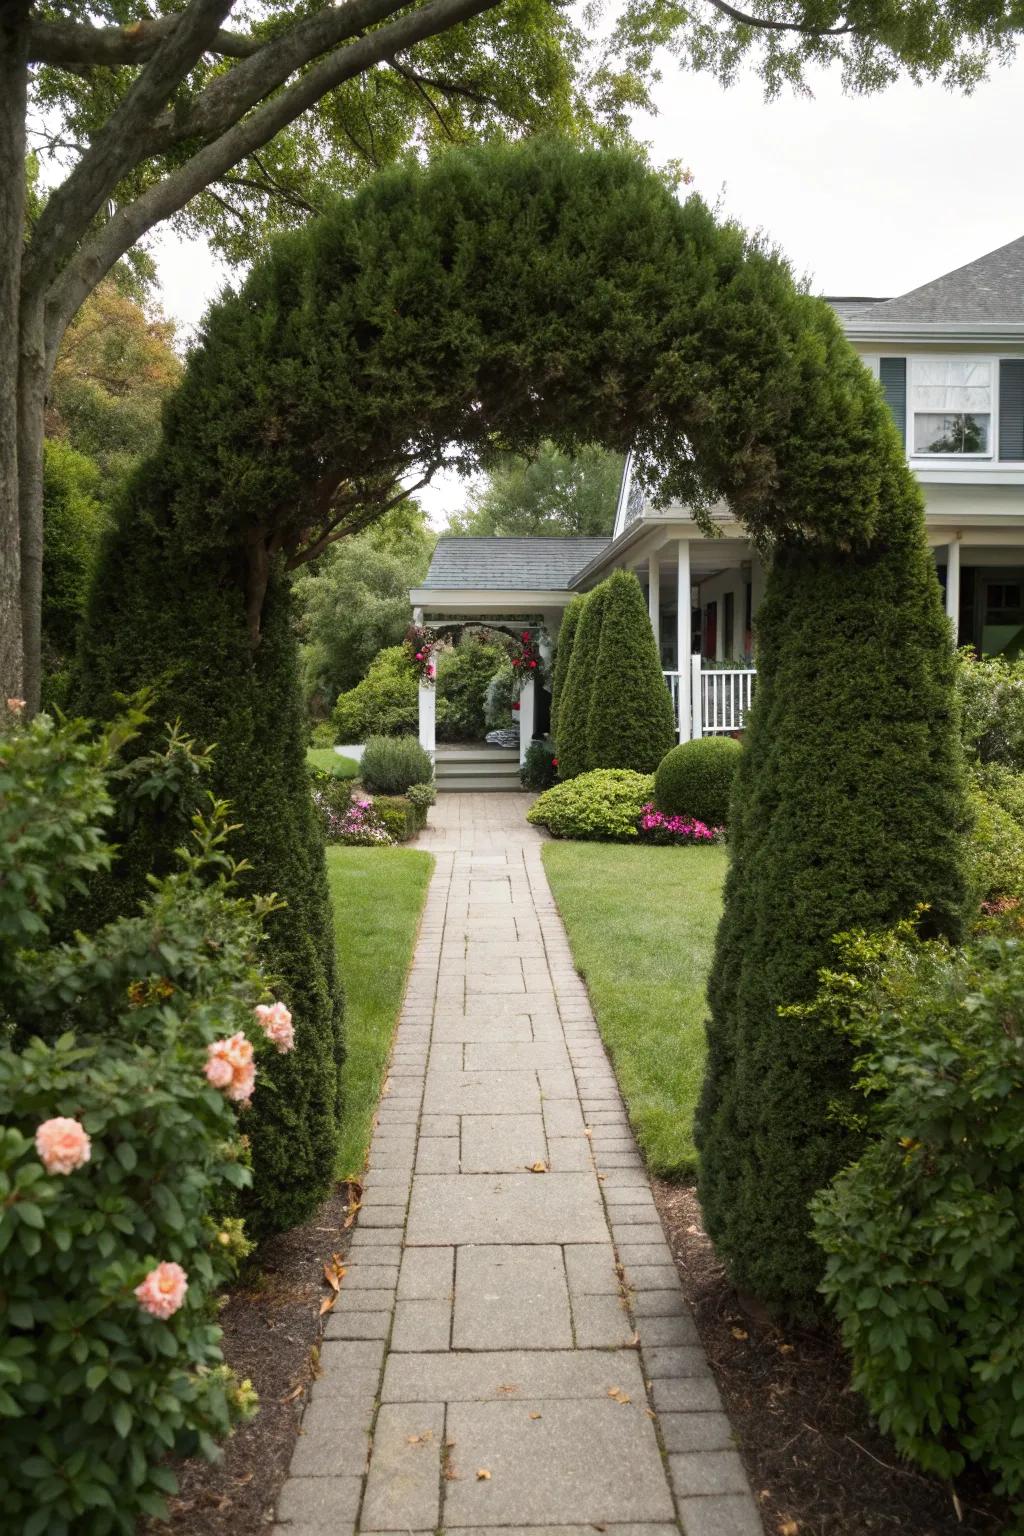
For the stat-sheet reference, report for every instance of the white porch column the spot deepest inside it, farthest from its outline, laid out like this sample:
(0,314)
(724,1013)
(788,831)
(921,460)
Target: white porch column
(428,718)
(527,706)
(654,598)
(683,599)
(953,586)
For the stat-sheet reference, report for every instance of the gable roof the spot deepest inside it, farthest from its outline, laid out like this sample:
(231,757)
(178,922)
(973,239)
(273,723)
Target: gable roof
(987,291)
(534,564)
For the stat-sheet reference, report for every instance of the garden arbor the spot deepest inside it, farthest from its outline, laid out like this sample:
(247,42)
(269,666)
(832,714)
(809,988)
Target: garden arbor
(502,296)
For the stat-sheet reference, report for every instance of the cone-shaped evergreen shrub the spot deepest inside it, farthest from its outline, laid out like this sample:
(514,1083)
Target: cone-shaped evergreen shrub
(630,723)
(563,655)
(849,810)
(696,778)
(574,707)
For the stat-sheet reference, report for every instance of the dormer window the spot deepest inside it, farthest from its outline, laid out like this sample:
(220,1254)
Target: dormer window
(951,407)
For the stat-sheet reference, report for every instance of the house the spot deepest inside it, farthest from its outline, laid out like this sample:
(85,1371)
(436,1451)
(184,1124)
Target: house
(950,358)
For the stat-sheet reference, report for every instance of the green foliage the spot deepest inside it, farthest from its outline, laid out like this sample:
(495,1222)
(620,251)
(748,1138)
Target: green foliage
(848,810)
(73,523)
(1003,785)
(580,680)
(925,1232)
(322,737)
(563,655)
(551,493)
(991,696)
(630,723)
(499,698)
(401,814)
(385,703)
(464,675)
(604,805)
(422,797)
(392,764)
(112,1030)
(995,851)
(695,779)
(538,770)
(352,603)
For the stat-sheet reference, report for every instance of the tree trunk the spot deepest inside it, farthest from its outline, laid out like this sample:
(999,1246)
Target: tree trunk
(13,91)
(32,380)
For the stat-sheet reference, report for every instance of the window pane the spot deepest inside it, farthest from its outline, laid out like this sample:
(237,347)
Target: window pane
(952,387)
(945,432)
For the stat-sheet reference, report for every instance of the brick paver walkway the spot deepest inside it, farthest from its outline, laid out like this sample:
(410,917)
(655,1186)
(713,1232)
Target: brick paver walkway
(510,1348)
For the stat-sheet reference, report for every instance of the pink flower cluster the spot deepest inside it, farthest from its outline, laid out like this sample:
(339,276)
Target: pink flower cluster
(163,1290)
(276,1023)
(63,1145)
(678,829)
(359,825)
(230,1066)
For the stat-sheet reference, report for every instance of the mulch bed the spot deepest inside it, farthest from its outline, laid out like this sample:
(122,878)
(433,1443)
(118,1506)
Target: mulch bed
(817,1466)
(272,1333)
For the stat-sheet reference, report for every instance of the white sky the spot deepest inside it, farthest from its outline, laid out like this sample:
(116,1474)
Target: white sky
(866,195)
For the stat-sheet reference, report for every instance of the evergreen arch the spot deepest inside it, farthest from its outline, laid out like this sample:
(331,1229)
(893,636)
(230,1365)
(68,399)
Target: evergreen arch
(501,296)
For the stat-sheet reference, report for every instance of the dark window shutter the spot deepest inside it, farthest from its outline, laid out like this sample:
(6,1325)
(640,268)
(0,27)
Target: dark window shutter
(1011,408)
(892,374)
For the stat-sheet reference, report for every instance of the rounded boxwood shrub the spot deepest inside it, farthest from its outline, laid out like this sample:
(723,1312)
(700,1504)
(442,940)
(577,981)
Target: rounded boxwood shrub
(604,805)
(392,764)
(696,778)
(630,723)
(384,703)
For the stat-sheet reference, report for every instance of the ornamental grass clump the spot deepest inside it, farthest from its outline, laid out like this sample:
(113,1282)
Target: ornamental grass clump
(133,1055)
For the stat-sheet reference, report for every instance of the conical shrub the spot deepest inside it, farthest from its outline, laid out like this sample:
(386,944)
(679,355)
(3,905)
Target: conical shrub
(630,722)
(574,705)
(563,655)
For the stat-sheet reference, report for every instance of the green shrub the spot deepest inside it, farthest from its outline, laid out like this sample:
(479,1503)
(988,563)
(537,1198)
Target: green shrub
(499,698)
(322,737)
(925,1232)
(696,778)
(991,697)
(73,524)
(464,676)
(995,851)
(404,815)
(603,805)
(385,703)
(563,656)
(421,797)
(539,769)
(391,764)
(630,723)
(849,811)
(111,1033)
(580,677)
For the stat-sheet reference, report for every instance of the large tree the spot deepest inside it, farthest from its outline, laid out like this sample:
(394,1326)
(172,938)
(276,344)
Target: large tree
(550,493)
(156,112)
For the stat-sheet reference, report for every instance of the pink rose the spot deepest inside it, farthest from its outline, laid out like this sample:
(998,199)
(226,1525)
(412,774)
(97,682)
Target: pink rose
(277,1025)
(419,655)
(63,1145)
(15,706)
(163,1290)
(229,1066)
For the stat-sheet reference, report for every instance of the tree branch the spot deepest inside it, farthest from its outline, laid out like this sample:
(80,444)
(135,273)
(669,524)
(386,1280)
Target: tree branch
(116,148)
(121,232)
(341,529)
(69,44)
(765,24)
(446,87)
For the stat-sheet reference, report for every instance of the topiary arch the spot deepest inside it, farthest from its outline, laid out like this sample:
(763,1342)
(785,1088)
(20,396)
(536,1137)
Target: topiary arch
(501,296)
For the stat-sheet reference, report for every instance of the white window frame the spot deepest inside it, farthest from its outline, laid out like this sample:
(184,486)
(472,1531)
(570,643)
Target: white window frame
(987,455)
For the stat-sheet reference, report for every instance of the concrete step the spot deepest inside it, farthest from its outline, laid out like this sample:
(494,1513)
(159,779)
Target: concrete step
(477,768)
(477,784)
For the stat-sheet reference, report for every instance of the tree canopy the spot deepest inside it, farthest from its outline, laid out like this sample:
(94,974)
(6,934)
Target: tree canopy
(550,493)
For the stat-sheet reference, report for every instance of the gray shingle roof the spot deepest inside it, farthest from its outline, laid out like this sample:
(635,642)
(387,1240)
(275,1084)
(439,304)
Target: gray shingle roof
(537,564)
(846,307)
(984,292)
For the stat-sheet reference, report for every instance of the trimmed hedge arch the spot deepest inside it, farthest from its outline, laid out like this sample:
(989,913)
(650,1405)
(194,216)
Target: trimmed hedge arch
(500,296)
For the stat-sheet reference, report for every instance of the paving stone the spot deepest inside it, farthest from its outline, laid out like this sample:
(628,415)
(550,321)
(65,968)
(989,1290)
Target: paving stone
(651,1277)
(729,1514)
(394,1195)
(438,1154)
(482,1093)
(427,1273)
(319,1501)
(509,1297)
(334,1436)
(461,1376)
(707,1472)
(378,1253)
(659,1304)
(601,1322)
(563,1117)
(586,1461)
(690,1394)
(502,1143)
(439,1125)
(515,1056)
(505,1208)
(591,1269)
(370,1276)
(370,1300)
(358,1325)
(386,1216)
(668,1331)
(421,1325)
(674,1361)
(696,1432)
(403,1490)
(474,1030)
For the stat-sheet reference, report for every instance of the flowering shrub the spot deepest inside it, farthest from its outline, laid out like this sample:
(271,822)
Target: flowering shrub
(120,1152)
(526,660)
(656,827)
(420,645)
(358,826)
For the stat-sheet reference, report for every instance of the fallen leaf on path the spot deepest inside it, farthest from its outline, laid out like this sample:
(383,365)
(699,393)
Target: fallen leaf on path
(740,1333)
(789,1528)
(291,1396)
(510,1386)
(618,1394)
(428,1434)
(587,1131)
(327,1303)
(535,1415)
(536,1167)
(482,1475)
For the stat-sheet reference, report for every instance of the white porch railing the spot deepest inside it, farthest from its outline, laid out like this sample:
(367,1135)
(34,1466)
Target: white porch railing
(719,699)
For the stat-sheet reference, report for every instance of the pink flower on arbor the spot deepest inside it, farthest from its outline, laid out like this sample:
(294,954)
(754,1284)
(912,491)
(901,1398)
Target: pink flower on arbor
(163,1290)
(15,706)
(63,1145)
(277,1025)
(230,1066)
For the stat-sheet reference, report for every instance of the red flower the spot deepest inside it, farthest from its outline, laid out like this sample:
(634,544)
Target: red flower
(554,762)
(526,634)
(533,663)
(516,660)
(516,704)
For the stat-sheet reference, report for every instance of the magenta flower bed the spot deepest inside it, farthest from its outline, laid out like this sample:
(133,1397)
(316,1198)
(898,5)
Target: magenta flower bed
(658,828)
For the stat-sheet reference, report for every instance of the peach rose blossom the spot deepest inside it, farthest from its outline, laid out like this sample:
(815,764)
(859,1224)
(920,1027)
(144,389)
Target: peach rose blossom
(15,706)
(163,1290)
(277,1025)
(230,1066)
(63,1145)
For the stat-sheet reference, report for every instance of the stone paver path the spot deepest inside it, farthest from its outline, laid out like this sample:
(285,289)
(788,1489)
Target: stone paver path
(510,1348)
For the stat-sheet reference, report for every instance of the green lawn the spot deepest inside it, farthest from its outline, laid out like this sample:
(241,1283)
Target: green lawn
(641,923)
(330,761)
(377,894)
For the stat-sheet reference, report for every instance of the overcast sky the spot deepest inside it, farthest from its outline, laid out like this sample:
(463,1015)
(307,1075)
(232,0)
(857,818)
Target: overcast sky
(866,195)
